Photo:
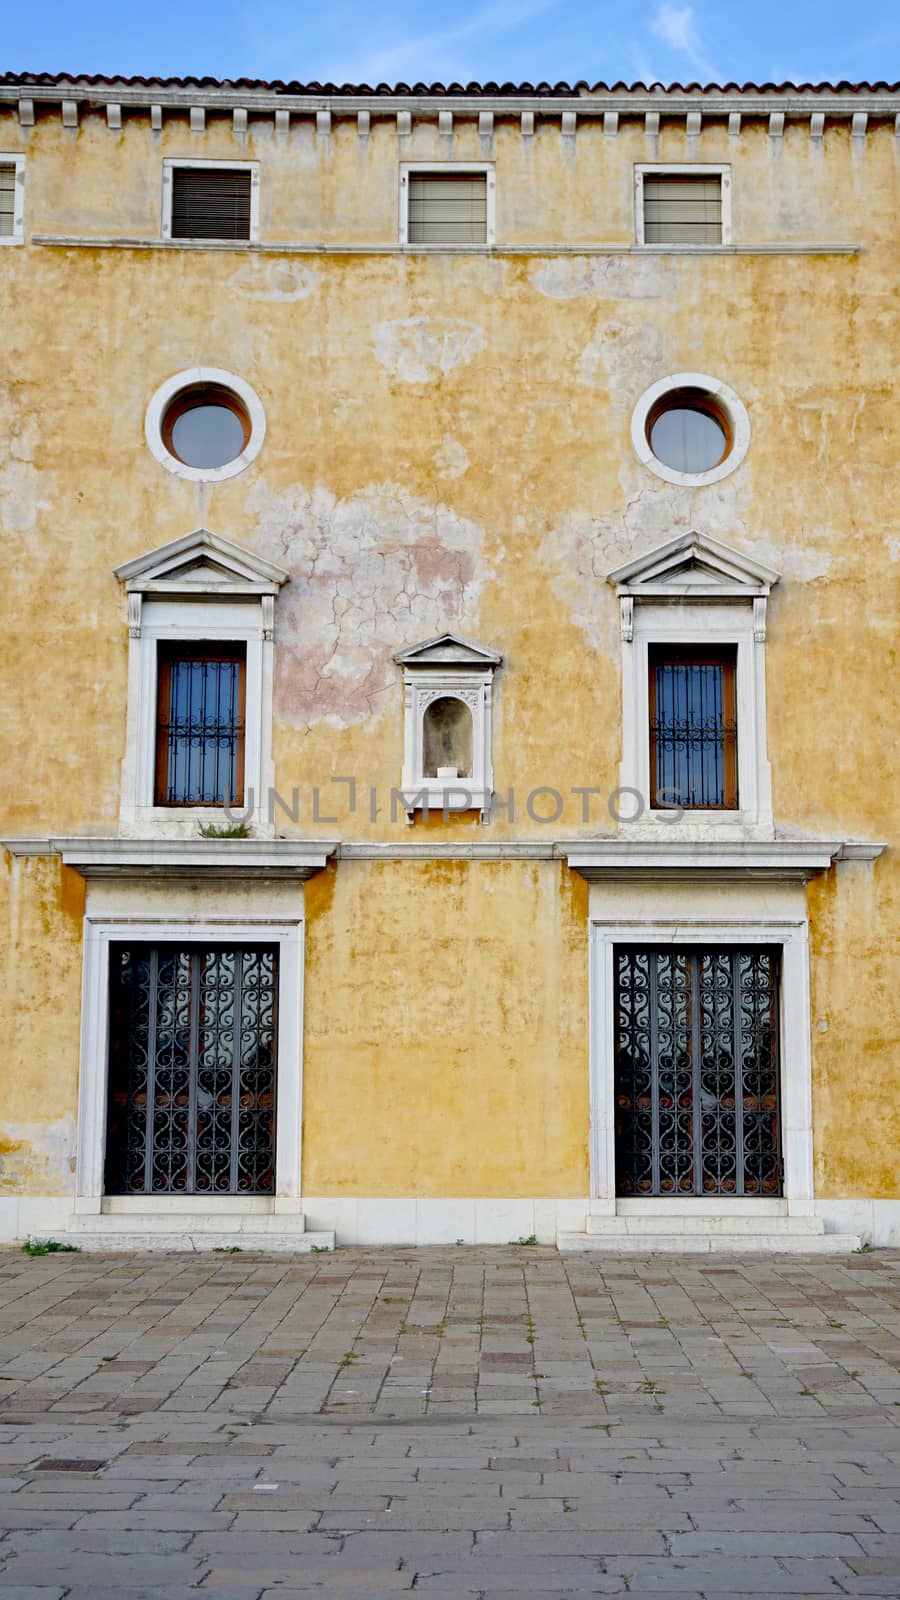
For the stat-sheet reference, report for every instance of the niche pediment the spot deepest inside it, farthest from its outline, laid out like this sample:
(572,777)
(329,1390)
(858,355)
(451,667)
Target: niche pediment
(449,650)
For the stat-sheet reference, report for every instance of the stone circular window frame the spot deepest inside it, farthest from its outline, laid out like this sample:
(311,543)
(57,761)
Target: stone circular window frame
(725,400)
(154,423)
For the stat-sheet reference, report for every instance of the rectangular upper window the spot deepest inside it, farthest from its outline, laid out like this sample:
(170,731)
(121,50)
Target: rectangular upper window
(210,200)
(12,175)
(682,205)
(200,724)
(447,205)
(693,728)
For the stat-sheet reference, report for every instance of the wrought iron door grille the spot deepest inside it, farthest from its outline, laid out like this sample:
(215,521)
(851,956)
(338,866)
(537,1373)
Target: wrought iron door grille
(192,1065)
(696,1072)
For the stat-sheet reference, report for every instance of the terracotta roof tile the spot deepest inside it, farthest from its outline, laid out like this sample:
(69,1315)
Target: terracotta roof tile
(99,80)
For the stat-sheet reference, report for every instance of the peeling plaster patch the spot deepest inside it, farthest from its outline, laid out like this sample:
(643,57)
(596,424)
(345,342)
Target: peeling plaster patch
(275,280)
(583,549)
(622,356)
(37,1156)
(451,459)
(422,349)
(371,573)
(21,483)
(894,549)
(804,564)
(608,277)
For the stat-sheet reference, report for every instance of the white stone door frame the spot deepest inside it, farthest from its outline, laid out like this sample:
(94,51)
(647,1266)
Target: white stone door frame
(99,933)
(795,1063)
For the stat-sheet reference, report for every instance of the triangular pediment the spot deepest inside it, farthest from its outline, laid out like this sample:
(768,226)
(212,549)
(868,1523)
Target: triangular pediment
(693,565)
(201,563)
(448,650)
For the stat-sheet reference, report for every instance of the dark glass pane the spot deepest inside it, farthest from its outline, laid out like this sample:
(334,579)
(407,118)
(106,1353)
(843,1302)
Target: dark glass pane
(210,203)
(202,729)
(692,739)
(688,440)
(207,435)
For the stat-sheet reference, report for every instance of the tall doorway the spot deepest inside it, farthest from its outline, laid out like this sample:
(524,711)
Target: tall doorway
(192,1069)
(697,1099)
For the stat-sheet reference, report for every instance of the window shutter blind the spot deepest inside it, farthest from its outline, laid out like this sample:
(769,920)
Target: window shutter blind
(447,209)
(682,210)
(210,204)
(7,199)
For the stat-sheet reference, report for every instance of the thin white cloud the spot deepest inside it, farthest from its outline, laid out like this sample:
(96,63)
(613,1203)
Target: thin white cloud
(677,28)
(438,54)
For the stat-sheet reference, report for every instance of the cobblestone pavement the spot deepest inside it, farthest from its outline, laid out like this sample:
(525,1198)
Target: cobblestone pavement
(462,1422)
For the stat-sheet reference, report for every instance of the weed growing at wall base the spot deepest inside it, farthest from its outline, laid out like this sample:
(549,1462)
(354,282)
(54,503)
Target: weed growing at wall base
(49,1247)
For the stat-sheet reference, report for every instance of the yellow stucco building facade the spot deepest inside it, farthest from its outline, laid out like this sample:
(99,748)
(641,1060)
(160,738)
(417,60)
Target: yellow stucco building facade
(452,572)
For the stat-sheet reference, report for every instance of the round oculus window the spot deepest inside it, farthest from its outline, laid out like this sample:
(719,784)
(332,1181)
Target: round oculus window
(688,432)
(206,426)
(690,429)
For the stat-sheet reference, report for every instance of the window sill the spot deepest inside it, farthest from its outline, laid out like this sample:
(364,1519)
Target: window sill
(452,797)
(701,824)
(815,247)
(184,822)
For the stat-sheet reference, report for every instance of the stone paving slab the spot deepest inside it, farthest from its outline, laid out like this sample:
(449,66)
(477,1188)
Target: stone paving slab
(463,1422)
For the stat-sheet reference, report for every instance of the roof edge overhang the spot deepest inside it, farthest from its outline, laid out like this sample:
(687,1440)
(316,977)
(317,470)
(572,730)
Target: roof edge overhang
(840,99)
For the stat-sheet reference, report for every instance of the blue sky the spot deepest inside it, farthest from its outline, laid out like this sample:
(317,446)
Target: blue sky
(394,40)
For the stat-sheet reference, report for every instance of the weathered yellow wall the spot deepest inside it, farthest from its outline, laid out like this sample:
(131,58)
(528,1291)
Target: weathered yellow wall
(448,445)
(42,910)
(446,1023)
(855,969)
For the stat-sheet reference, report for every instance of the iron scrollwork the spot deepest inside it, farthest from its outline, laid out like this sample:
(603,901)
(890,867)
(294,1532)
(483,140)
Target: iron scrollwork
(192,1070)
(696,1075)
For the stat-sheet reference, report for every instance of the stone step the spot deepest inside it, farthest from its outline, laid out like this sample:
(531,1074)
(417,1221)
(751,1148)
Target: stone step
(710,1243)
(704,1224)
(169,1222)
(185,1238)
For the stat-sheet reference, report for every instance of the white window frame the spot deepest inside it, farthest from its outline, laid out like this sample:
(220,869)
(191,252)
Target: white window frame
(792,937)
(709,628)
(692,590)
(187,622)
(99,934)
(171,598)
(190,378)
(447,169)
(723,396)
(8,159)
(681,169)
(170,163)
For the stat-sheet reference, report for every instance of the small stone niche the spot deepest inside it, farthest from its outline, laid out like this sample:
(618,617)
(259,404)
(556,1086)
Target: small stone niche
(447,725)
